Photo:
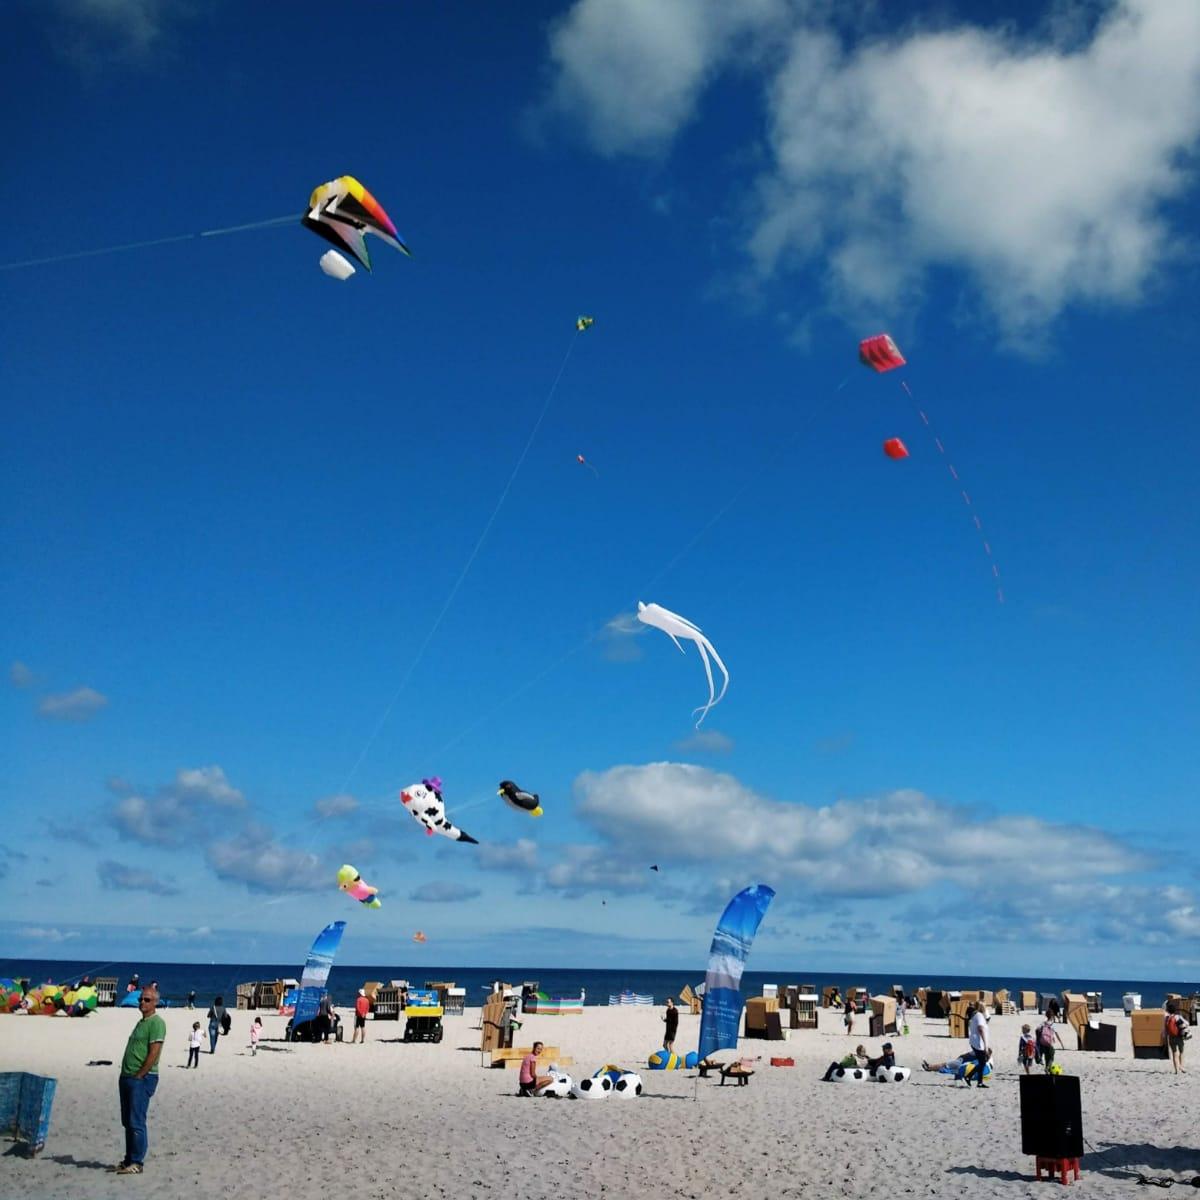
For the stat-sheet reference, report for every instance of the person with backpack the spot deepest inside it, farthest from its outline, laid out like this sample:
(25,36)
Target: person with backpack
(1026,1049)
(1176,1030)
(1047,1035)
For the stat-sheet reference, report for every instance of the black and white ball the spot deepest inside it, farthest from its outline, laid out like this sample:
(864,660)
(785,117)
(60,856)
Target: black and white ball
(595,1087)
(560,1087)
(851,1075)
(628,1085)
(892,1074)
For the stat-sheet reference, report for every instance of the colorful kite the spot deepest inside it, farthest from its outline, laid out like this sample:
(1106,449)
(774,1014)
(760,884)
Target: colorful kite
(343,212)
(676,627)
(426,806)
(351,882)
(514,797)
(582,323)
(895,448)
(880,353)
(419,938)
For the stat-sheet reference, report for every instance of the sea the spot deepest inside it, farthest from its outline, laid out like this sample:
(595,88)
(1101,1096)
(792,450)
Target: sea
(176,980)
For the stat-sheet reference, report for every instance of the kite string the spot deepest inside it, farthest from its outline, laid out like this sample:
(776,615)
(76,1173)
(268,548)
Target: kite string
(148,242)
(781,449)
(962,491)
(462,575)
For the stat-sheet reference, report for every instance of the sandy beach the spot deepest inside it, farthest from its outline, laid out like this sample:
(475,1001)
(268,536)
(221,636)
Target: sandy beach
(389,1119)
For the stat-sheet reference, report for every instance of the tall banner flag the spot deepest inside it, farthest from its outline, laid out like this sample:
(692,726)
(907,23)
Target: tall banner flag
(316,972)
(722,1014)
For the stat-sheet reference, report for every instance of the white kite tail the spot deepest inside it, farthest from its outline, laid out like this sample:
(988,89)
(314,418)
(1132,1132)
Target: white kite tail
(706,647)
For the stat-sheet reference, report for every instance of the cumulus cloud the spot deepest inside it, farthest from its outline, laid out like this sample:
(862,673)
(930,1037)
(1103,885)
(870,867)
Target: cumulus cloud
(878,846)
(36,933)
(62,831)
(178,812)
(122,878)
(340,805)
(263,864)
(201,933)
(87,30)
(19,675)
(520,855)
(444,892)
(706,741)
(633,72)
(82,704)
(1036,168)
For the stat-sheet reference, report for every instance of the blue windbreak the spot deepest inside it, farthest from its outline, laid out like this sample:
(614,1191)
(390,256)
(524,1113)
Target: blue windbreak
(722,1012)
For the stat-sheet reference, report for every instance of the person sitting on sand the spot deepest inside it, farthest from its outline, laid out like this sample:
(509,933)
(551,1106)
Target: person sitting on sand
(951,1066)
(857,1059)
(529,1080)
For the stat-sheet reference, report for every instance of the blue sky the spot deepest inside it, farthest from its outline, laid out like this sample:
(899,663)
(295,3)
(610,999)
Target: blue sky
(237,494)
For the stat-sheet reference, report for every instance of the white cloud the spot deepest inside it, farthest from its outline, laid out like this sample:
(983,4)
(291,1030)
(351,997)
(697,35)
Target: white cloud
(336,806)
(39,934)
(521,855)
(120,877)
(706,741)
(1038,170)
(201,933)
(263,864)
(82,704)
(444,892)
(125,28)
(20,675)
(178,812)
(632,72)
(879,846)
(1038,173)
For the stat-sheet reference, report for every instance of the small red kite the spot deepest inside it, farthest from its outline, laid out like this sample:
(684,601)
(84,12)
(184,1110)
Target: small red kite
(895,448)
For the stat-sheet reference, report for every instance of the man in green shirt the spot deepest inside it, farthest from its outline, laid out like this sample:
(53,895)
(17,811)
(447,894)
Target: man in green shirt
(139,1079)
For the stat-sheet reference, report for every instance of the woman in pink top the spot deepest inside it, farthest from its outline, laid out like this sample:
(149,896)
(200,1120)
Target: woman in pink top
(529,1079)
(255,1034)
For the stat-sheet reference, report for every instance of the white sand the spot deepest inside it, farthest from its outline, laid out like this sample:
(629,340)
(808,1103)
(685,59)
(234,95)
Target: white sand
(388,1119)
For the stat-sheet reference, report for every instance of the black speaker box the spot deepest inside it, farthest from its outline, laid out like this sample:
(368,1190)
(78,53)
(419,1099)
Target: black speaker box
(1051,1118)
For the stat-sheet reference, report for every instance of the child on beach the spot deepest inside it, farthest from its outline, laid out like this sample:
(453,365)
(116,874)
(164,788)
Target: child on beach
(1047,1035)
(255,1034)
(194,1040)
(1026,1048)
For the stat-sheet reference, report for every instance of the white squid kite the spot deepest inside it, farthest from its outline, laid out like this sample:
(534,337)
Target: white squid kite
(676,627)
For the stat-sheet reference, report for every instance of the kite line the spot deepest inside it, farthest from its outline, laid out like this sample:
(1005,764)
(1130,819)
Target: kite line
(162,241)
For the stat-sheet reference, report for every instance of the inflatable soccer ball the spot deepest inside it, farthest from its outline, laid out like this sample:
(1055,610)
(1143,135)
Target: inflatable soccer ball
(596,1087)
(851,1075)
(892,1074)
(559,1088)
(628,1085)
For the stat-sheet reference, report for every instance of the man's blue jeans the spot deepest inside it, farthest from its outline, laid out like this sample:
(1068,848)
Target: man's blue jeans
(135,1104)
